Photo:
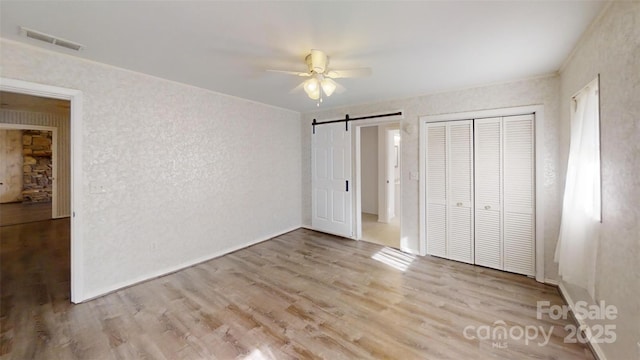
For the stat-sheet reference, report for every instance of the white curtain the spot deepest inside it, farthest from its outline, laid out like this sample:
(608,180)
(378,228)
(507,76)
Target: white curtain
(579,229)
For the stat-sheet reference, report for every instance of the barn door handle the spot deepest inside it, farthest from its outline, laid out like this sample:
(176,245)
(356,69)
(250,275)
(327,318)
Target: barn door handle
(346,184)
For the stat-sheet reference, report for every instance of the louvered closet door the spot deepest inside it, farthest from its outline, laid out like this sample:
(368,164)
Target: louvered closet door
(436,192)
(519,197)
(488,192)
(460,191)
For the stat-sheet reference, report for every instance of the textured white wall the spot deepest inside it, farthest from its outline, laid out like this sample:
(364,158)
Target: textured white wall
(545,91)
(369,169)
(63,159)
(611,48)
(188,173)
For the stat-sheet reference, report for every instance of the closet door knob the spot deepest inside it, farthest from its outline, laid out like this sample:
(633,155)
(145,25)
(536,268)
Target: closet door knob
(487,207)
(459,204)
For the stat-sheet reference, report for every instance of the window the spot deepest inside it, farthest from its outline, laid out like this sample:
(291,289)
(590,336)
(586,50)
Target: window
(581,207)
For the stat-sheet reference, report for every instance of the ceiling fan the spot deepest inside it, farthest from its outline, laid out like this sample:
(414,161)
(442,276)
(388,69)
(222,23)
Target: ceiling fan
(320,79)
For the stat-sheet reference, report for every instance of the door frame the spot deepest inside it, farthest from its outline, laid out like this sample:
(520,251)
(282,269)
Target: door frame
(357,175)
(54,160)
(75,120)
(539,170)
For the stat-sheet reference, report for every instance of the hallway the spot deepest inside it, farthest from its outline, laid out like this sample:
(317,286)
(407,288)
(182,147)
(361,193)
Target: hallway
(381,233)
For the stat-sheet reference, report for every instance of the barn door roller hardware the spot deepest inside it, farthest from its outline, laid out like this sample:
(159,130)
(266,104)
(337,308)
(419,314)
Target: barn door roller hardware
(347,119)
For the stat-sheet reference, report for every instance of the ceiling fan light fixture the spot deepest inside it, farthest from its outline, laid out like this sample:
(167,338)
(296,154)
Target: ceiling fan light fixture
(328,86)
(319,61)
(320,81)
(311,87)
(315,95)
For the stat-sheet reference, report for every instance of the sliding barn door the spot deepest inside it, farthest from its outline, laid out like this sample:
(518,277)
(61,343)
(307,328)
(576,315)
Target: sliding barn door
(519,195)
(331,179)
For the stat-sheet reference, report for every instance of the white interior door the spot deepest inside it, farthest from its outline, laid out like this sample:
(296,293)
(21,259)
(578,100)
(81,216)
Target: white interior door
(10,166)
(331,179)
(460,191)
(488,192)
(390,174)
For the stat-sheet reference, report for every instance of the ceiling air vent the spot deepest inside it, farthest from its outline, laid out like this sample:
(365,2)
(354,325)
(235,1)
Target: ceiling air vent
(50,39)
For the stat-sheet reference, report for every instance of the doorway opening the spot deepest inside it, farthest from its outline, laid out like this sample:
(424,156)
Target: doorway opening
(35,149)
(45,124)
(378,195)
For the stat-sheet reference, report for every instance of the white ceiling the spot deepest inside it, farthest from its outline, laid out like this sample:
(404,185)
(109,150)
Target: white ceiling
(413,48)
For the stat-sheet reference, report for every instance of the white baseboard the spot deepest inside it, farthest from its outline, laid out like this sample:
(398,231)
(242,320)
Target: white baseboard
(327,232)
(166,271)
(595,347)
(551,282)
(410,251)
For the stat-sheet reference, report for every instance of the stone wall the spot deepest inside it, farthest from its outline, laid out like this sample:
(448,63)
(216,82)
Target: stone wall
(37,165)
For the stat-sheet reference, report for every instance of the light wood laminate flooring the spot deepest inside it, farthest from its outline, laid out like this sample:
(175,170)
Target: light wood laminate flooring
(387,234)
(303,295)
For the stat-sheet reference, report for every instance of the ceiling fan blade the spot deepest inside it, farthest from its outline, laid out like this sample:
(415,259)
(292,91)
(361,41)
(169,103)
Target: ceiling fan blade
(339,88)
(297,73)
(350,73)
(297,88)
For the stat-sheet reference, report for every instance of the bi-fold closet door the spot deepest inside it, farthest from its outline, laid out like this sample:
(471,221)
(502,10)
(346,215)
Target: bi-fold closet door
(449,195)
(497,182)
